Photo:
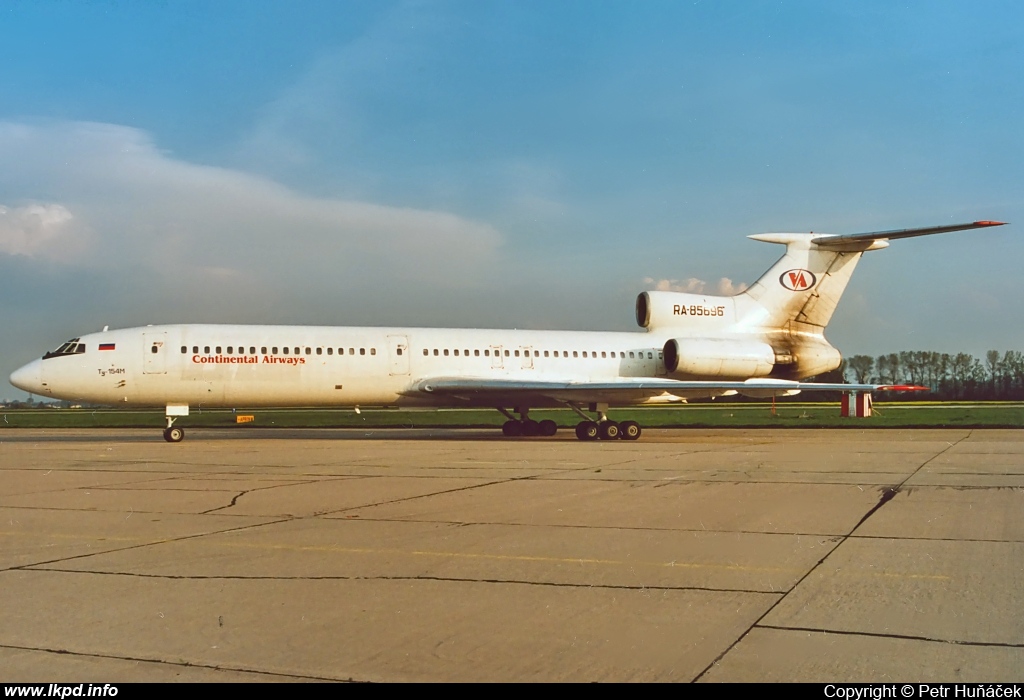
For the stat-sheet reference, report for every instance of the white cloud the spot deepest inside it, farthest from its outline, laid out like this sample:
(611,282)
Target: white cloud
(727,287)
(692,285)
(147,210)
(34,230)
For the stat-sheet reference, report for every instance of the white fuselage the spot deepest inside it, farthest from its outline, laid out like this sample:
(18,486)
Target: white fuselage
(237,365)
(760,343)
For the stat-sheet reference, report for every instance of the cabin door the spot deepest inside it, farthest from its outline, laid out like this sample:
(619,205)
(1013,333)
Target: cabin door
(154,357)
(398,355)
(527,357)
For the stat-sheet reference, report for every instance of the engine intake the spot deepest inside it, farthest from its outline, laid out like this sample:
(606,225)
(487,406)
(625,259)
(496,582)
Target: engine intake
(684,310)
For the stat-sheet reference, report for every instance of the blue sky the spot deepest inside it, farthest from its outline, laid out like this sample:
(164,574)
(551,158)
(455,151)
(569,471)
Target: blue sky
(500,164)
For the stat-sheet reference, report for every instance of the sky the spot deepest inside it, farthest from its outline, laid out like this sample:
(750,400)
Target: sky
(514,164)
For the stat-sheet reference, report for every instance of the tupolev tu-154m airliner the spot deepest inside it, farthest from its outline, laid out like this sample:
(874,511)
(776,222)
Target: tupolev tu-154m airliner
(762,343)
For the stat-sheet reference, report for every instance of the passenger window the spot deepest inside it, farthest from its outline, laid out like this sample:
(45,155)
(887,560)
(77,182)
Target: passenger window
(446,352)
(362,351)
(425,351)
(319,351)
(195,349)
(506,353)
(622,355)
(487,353)
(330,351)
(373,351)
(631,353)
(284,350)
(206,350)
(584,353)
(545,353)
(298,350)
(263,350)
(154,350)
(575,353)
(229,350)
(436,352)
(184,349)
(650,356)
(466,353)
(456,352)
(273,350)
(309,351)
(517,353)
(252,350)
(398,351)
(351,351)
(218,349)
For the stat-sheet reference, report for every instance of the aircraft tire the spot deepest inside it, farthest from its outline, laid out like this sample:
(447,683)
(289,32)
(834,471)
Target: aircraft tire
(629,430)
(609,430)
(587,430)
(174,434)
(512,428)
(548,428)
(531,428)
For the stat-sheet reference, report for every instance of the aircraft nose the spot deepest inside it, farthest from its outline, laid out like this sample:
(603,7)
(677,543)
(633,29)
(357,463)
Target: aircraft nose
(29,378)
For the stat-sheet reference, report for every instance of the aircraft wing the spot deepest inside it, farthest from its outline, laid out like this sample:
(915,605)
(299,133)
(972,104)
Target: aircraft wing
(625,390)
(828,241)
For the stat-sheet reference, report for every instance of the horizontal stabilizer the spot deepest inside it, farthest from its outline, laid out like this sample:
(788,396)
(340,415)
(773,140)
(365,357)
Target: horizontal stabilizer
(828,241)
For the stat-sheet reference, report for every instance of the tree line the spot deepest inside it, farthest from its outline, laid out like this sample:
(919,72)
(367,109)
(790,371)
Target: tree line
(948,376)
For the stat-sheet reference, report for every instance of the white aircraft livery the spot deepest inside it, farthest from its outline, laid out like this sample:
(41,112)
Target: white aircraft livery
(762,342)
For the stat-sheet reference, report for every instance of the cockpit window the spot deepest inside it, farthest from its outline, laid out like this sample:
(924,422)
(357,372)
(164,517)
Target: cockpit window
(72,347)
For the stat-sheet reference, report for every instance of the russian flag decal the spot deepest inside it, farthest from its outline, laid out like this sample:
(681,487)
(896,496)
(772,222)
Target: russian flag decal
(106,346)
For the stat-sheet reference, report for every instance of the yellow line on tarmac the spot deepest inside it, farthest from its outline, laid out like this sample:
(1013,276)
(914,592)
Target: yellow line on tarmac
(674,564)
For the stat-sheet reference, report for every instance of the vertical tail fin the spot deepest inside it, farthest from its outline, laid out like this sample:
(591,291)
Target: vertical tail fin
(804,286)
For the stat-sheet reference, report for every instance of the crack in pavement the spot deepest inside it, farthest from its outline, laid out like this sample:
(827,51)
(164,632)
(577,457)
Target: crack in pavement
(184,664)
(887,635)
(887,495)
(28,567)
(424,577)
(234,500)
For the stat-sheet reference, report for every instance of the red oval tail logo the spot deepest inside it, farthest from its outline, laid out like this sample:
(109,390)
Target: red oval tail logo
(797,280)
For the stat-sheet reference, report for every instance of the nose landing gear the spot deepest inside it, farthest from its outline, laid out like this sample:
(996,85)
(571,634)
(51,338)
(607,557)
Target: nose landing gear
(174,411)
(174,434)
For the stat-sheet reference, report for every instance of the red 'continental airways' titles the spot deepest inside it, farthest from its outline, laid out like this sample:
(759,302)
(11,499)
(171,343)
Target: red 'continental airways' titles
(246,360)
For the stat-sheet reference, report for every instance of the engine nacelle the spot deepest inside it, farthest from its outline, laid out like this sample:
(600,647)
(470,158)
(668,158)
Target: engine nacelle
(815,356)
(681,310)
(718,357)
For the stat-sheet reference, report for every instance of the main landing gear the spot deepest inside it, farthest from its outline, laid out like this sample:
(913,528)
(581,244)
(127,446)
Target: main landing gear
(587,429)
(603,428)
(524,426)
(608,430)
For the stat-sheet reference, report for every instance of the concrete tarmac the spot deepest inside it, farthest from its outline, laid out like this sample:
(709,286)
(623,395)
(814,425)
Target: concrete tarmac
(458,555)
